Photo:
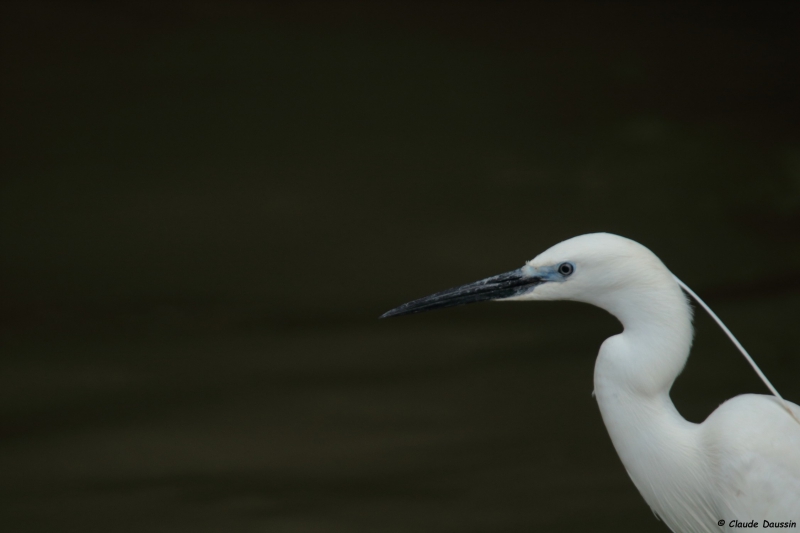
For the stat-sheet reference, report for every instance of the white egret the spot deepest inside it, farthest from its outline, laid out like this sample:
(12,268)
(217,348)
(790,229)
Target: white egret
(739,467)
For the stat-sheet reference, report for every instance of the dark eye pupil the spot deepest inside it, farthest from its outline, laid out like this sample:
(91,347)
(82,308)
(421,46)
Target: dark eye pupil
(565,269)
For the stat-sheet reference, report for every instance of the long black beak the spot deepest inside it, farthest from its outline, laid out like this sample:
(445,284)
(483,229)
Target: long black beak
(497,287)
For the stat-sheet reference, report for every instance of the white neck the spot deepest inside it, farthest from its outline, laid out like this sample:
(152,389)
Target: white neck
(657,337)
(633,375)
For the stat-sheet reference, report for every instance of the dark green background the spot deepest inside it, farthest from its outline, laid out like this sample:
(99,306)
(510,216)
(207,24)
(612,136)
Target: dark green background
(205,206)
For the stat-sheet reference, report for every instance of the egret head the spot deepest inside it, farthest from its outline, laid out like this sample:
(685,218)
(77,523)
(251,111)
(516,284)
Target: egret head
(593,268)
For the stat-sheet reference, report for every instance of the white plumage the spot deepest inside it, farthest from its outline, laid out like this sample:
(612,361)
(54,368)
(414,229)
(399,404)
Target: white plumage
(741,464)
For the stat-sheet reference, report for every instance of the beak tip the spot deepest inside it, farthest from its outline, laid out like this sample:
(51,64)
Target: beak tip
(388,314)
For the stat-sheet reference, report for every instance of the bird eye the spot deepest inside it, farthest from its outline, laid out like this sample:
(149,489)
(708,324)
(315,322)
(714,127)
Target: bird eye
(565,269)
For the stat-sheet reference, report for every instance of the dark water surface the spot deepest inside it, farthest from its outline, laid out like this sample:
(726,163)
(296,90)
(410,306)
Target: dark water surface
(205,208)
